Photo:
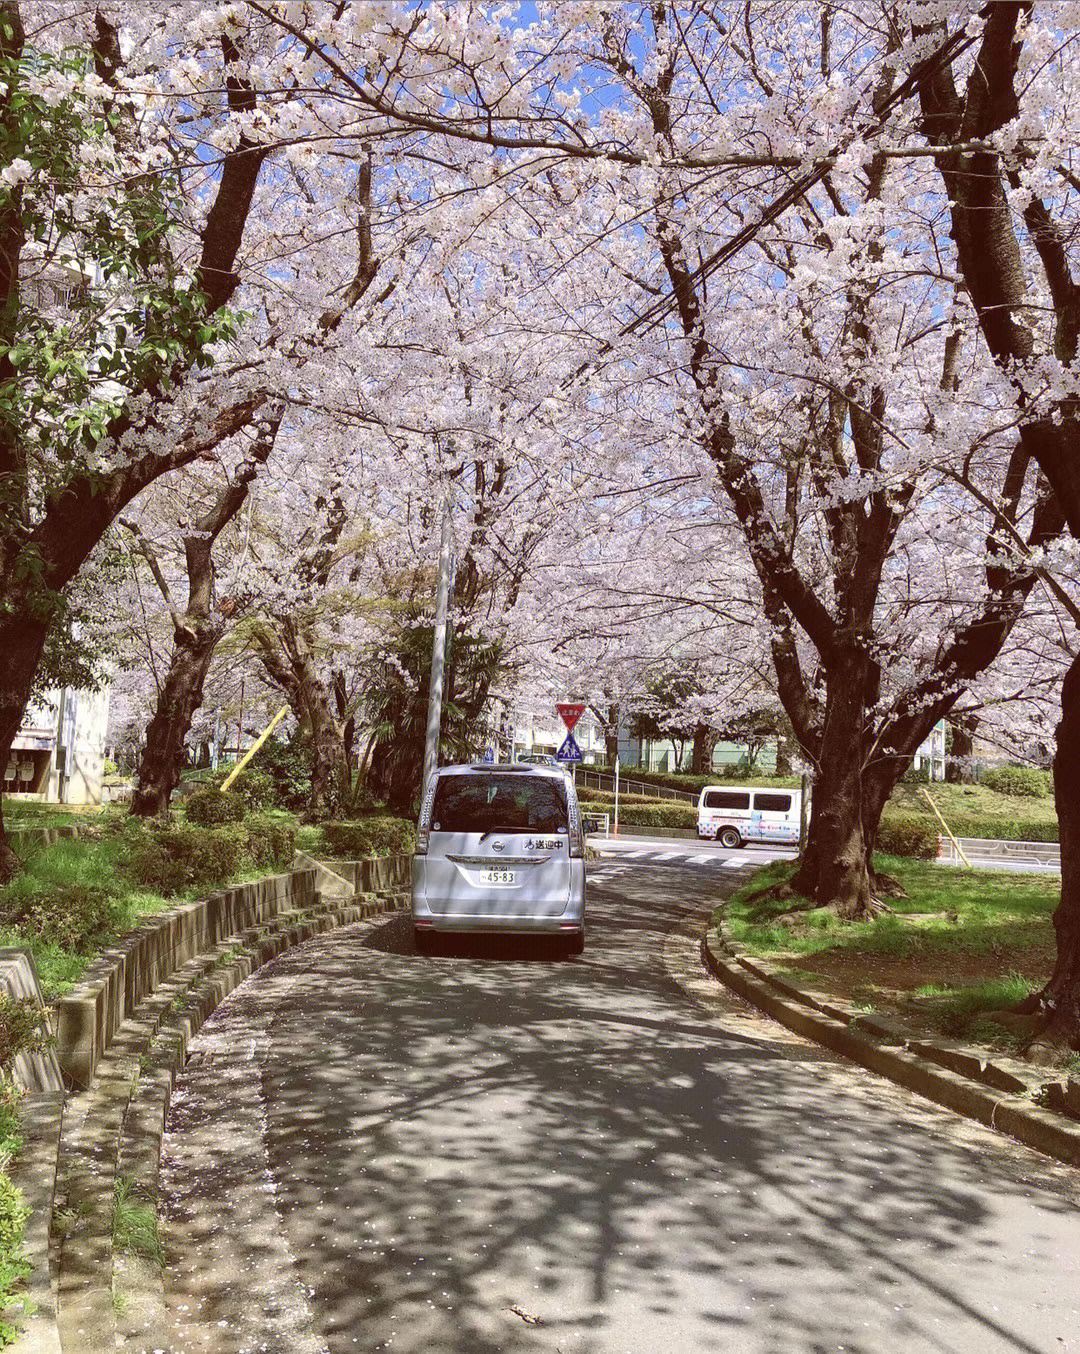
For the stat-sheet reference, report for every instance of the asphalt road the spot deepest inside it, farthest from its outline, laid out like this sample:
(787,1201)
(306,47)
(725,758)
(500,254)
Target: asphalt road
(496,1150)
(689,850)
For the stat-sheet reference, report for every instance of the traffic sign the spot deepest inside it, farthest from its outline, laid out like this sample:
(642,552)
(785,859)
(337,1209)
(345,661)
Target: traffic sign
(489,754)
(570,714)
(569,752)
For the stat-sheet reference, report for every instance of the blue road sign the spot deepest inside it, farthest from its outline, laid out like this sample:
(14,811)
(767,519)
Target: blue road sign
(489,754)
(569,752)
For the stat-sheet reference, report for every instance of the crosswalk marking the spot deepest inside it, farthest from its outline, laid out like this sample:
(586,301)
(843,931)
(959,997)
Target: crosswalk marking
(617,860)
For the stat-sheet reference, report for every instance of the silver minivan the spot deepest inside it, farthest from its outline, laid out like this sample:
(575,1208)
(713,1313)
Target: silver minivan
(499,849)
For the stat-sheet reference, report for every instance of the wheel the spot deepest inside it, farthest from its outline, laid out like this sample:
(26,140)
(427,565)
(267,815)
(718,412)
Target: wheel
(729,837)
(575,945)
(424,940)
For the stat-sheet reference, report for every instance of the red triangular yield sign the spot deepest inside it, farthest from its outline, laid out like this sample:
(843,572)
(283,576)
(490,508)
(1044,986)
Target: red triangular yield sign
(570,714)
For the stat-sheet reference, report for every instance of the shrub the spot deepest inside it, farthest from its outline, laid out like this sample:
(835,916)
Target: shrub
(255,786)
(377,836)
(211,807)
(1002,829)
(660,813)
(916,775)
(270,841)
(76,916)
(23,1028)
(13,1265)
(173,857)
(285,771)
(908,834)
(1022,782)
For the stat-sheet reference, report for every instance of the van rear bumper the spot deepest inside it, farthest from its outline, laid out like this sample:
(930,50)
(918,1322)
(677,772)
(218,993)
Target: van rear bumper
(455,913)
(469,923)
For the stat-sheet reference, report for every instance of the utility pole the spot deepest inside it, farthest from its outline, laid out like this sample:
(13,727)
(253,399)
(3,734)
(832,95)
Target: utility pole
(438,651)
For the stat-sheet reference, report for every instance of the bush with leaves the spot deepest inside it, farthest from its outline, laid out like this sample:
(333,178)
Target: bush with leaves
(1022,782)
(375,836)
(278,776)
(174,857)
(269,841)
(211,808)
(23,1029)
(908,834)
(76,916)
(14,1267)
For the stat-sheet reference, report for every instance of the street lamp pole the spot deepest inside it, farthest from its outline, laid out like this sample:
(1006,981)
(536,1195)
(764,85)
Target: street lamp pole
(438,651)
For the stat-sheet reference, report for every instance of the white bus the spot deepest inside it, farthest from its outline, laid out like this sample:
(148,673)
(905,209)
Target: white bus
(734,817)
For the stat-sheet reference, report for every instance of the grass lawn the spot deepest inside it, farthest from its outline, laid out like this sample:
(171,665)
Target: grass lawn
(962,941)
(966,800)
(22,813)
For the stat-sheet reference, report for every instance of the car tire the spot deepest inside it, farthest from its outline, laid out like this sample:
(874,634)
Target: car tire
(575,945)
(729,838)
(424,940)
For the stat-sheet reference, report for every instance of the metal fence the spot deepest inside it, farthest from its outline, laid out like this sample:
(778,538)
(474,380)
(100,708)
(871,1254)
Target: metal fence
(983,849)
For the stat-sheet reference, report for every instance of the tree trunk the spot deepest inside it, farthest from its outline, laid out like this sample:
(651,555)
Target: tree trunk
(1059,1000)
(611,735)
(329,770)
(959,765)
(835,870)
(783,757)
(22,639)
(181,696)
(705,741)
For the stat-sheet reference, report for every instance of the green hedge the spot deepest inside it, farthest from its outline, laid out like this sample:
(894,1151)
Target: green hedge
(658,813)
(907,834)
(1022,782)
(375,836)
(608,797)
(1002,829)
(174,857)
(695,784)
(210,808)
(270,841)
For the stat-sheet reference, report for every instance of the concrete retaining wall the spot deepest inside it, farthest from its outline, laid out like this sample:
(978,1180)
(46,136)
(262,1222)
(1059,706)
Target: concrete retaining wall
(378,875)
(87,1018)
(33,1072)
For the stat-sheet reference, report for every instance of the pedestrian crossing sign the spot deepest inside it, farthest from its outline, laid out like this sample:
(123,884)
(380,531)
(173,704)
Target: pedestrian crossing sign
(569,752)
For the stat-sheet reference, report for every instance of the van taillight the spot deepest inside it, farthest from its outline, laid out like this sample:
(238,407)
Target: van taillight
(577,845)
(422,834)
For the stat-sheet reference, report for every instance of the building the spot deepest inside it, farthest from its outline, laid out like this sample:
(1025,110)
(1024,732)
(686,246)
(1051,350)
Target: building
(661,754)
(59,752)
(930,757)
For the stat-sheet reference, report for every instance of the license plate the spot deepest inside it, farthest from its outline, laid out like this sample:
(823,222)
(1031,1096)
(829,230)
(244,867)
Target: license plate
(497,877)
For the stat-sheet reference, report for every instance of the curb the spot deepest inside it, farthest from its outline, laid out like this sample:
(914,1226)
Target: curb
(142,1324)
(944,1073)
(33,1171)
(90,1299)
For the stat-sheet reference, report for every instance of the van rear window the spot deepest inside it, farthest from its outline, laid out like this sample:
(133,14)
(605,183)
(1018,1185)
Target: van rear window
(773,803)
(495,803)
(726,799)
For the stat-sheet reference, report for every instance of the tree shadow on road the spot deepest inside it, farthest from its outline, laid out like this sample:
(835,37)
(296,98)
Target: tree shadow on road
(498,1150)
